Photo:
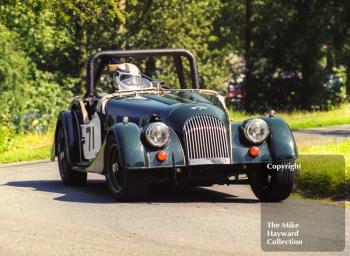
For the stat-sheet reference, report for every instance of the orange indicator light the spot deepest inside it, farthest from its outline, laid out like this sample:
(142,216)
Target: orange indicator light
(162,156)
(254,151)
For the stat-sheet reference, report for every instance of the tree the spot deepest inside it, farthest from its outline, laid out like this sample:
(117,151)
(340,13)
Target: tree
(283,47)
(14,77)
(179,24)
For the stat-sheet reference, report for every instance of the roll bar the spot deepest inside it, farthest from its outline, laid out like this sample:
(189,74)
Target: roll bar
(175,53)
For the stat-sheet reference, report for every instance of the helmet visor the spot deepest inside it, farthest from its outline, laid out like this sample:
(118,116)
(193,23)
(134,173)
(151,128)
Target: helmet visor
(132,82)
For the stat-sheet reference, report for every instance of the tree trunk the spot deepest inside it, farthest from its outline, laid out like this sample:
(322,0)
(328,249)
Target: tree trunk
(81,55)
(348,81)
(248,53)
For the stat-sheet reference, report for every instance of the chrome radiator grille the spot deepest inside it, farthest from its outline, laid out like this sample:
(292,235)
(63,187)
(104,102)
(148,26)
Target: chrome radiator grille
(206,141)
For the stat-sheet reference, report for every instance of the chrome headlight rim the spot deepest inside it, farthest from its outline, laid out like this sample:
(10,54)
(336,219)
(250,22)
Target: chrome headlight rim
(148,130)
(249,123)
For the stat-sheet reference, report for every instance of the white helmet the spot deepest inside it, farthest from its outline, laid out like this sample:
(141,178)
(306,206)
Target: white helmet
(127,77)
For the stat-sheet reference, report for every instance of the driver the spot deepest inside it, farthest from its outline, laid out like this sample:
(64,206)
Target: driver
(127,76)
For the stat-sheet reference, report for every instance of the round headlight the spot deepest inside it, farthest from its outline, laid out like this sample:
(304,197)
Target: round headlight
(256,130)
(157,134)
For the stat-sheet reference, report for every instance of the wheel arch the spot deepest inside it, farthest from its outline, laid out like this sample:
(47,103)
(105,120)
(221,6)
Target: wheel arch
(65,121)
(279,146)
(132,152)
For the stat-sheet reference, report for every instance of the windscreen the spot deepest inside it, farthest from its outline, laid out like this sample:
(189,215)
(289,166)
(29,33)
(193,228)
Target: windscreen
(130,82)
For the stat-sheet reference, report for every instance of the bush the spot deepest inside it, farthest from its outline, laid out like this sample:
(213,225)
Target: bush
(321,175)
(30,98)
(46,99)
(14,77)
(4,138)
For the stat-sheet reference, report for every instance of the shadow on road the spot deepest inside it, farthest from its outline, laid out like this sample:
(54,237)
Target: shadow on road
(93,192)
(96,191)
(339,133)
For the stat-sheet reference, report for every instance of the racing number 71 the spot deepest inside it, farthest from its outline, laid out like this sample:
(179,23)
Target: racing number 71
(91,131)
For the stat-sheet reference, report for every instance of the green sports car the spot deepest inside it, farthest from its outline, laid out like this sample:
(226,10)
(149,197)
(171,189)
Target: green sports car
(144,132)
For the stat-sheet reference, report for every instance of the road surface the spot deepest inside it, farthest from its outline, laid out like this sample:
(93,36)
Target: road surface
(336,133)
(39,216)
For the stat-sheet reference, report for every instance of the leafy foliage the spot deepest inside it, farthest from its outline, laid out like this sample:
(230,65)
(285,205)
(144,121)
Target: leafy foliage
(290,54)
(13,75)
(288,48)
(30,98)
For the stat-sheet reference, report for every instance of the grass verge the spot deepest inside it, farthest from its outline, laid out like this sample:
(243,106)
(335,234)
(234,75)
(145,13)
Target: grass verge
(321,177)
(302,119)
(315,180)
(27,147)
(322,172)
(36,146)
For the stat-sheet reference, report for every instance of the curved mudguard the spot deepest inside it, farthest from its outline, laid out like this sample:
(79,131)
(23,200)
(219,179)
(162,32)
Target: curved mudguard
(279,146)
(135,155)
(66,120)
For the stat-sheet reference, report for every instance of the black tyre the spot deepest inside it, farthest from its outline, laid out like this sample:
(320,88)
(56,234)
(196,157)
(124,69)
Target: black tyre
(271,185)
(123,184)
(69,177)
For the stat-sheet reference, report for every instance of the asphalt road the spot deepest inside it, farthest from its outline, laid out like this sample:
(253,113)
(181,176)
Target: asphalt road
(39,216)
(336,133)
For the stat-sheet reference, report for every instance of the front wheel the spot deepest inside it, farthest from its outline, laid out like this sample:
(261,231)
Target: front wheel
(270,185)
(123,184)
(69,177)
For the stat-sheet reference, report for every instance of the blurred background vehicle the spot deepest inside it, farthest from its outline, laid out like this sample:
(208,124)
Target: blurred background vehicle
(236,94)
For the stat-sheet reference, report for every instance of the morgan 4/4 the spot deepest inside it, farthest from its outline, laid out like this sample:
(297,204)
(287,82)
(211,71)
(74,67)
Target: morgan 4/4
(145,132)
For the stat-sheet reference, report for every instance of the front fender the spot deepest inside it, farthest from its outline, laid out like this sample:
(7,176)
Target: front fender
(66,122)
(134,154)
(176,155)
(279,146)
(281,141)
(131,150)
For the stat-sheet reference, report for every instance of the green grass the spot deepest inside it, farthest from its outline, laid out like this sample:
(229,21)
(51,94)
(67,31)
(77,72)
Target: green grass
(334,148)
(320,176)
(27,147)
(302,119)
(37,146)
(322,172)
